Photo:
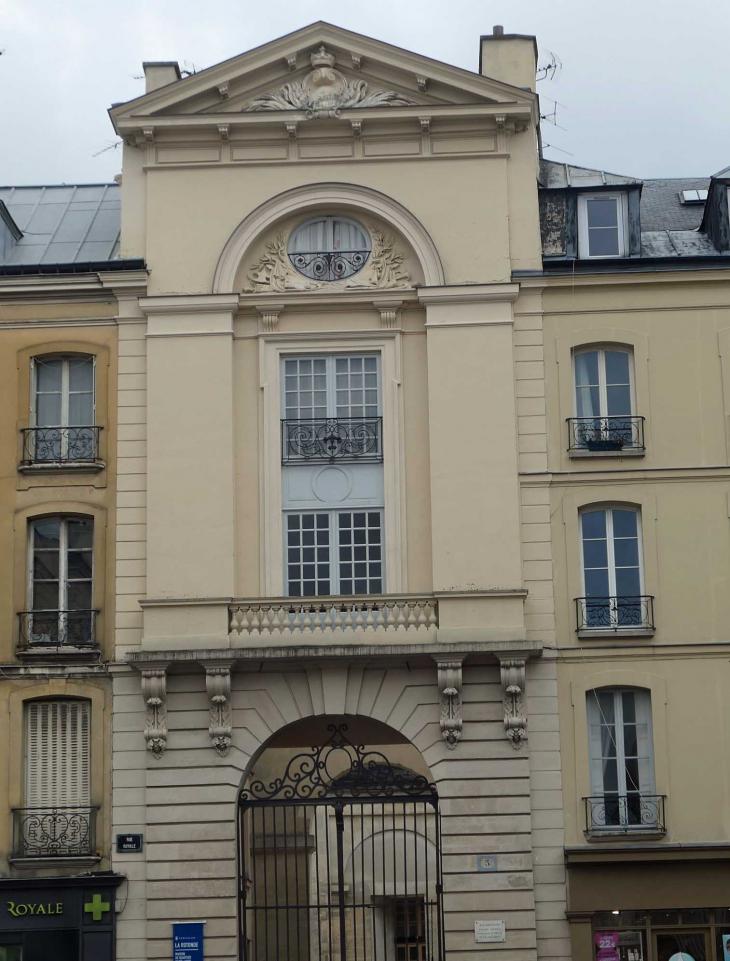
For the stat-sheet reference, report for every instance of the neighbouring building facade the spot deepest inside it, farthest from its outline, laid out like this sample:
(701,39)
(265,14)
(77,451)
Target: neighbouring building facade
(366,527)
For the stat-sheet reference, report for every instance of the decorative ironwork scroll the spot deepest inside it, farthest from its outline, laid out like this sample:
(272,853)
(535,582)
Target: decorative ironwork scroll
(606,434)
(615,613)
(329,265)
(338,768)
(326,440)
(623,813)
(57,628)
(60,445)
(54,832)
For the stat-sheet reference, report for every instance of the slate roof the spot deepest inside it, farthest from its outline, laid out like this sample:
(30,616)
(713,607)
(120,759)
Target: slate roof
(68,224)
(556,175)
(662,209)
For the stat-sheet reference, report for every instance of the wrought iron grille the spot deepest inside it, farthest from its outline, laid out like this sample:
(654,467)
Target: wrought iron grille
(54,832)
(57,628)
(329,265)
(329,439)
(60,445)
(615,613)
(340,858)
(623,813)
(605,433)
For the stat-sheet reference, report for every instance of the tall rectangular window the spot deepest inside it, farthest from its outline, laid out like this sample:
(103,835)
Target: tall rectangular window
(60,581)
(334,552)
(63,409)
(602,225)
(621,759)
(612,572)
(604,401)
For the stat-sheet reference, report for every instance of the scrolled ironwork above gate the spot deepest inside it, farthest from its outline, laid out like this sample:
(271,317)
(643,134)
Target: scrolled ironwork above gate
(338,769)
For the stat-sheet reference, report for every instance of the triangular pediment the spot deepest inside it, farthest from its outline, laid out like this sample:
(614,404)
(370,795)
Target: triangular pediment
(321,69)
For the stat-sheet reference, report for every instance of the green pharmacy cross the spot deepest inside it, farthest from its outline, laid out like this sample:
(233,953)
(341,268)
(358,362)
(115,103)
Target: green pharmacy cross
(96,907)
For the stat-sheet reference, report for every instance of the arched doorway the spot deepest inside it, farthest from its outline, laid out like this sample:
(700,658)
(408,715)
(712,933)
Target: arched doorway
(340,847)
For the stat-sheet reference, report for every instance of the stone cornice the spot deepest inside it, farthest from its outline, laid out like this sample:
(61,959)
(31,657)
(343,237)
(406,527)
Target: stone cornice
(469,294)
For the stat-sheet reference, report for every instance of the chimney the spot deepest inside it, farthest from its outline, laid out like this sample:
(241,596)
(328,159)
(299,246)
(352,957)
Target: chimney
(159,73)
(509,57)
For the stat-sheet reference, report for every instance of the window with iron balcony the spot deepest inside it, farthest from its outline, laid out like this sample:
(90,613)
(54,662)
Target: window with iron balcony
(605,423)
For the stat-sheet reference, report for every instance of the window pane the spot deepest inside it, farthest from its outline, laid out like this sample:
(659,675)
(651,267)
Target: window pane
(624,523)
(48,410)
(596,583)
(586,368)
(81,410)
(626,552)
(305,577)
(630,743)
(606,707)
(45,565)
(45,596)
(80,533)
(80,373)
(619,401)
(628,702)
(594,524)
(79,564)
(602,212)
(617,367)
(47,532)
(627,582)
(603,242)
(587,402)
(362,573)
(48,374)
(79,596)
(595,553)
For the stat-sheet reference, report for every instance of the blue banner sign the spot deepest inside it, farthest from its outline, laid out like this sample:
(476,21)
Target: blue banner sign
(187,940)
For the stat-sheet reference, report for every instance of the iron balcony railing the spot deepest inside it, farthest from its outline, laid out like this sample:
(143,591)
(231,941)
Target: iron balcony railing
(622,612)
(57,628)
(329,266)
(605,433)
(328,439)
(317,617)
(60,445)
(54,832)
(625,813)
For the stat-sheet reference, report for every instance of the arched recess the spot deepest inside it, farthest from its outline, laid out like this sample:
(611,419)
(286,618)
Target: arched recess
(339,844)
(350,197)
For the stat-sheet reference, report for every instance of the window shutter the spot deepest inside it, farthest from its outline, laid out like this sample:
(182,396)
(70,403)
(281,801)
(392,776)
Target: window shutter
(58,754)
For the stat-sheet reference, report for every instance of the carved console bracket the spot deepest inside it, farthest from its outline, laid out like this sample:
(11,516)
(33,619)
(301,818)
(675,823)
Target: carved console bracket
(512,670)
(269,314)
(449,681)
(223,91)
(389,311)
(218,686)
(154,692)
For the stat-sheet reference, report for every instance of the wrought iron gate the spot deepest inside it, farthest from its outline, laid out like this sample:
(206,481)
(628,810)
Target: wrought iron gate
(340,860)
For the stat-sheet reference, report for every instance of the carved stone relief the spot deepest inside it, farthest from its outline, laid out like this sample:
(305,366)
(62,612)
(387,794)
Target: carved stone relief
(449,681)
(324,92)
(512,670)
(384,269)
(218,686)
(154,692)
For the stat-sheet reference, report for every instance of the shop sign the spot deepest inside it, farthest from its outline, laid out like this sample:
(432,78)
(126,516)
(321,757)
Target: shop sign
(187,940)
(19,910)
(40,909)
(607,945)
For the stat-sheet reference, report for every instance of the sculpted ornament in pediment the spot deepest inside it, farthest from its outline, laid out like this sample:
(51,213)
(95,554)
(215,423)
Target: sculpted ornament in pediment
(324,92)
(383,269)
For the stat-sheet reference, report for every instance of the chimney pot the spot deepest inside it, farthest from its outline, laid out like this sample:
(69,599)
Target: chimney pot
(498,30)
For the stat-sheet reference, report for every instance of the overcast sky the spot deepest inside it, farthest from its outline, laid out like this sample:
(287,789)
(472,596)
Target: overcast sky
(643,88)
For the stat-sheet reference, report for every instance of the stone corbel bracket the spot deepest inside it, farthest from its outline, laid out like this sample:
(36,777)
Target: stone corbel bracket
(218,687)
(449,681)
(269,314)
(512,671)
(154,692)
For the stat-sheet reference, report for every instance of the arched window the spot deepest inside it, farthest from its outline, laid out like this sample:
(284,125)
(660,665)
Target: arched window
(62,410)
(613,576)
(605,416)
(621,761)
(60,575)
(329,248)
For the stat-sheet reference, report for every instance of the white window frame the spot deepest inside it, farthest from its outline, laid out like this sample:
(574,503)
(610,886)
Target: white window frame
(602,386)
(623,224)
(594,714)
(611,559)
(65,393)
(334,546)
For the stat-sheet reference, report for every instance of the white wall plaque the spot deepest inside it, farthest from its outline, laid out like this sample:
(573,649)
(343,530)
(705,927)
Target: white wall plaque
(489,931)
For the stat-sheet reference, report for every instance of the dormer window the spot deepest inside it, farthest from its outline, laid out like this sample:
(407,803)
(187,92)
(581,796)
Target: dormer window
(602,225)
(329,248)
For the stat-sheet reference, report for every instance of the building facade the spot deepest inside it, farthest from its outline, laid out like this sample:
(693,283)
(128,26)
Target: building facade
(366,511)
(59,280)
